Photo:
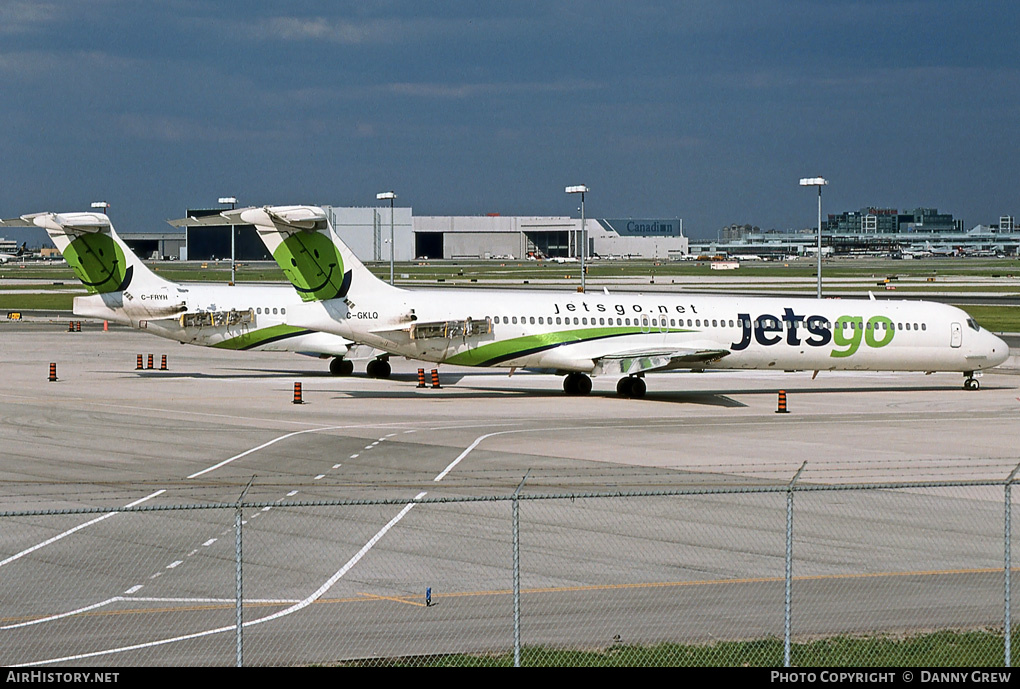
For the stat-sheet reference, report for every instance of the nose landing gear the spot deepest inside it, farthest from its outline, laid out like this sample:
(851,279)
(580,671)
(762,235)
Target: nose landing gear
(970,382)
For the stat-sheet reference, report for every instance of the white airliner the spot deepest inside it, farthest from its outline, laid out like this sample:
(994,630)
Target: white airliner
(125,291)
(4,257)
(627,335)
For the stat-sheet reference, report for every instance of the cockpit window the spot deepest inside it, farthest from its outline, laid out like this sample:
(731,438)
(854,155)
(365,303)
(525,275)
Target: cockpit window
(973,324)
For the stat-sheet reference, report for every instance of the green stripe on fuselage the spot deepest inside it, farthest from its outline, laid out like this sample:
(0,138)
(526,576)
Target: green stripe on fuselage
(255,338)
(504,350)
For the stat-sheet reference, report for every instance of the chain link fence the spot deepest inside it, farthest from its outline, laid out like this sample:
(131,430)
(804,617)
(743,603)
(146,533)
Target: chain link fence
(764,575)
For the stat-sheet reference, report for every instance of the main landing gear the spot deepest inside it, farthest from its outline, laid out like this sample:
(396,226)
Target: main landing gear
(577,384)
(970,382)
(341,367)
(631,386)
(378,368)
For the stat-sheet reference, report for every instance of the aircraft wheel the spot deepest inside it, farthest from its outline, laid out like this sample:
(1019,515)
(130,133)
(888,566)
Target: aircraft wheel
(378,368)
(623,386)
(577,384)
(971,384)
(637,388)
(341,367)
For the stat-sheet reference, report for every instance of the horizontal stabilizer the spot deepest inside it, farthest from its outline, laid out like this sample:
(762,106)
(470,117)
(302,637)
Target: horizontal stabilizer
(67,223)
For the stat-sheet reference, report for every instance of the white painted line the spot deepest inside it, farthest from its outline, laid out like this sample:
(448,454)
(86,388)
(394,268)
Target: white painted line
(59,536)
(174,564)
(354,456)
(320,476)
(133,589)
(300,605)
(466,452)
(69,613)
(337,466)
(292,494)
(210,542)
(225,462)
(266,508)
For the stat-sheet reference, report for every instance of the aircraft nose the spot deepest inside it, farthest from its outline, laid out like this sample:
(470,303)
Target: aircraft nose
(998,350)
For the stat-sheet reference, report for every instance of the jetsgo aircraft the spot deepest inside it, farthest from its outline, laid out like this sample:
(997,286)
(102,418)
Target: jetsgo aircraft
(124,290)
(627,335)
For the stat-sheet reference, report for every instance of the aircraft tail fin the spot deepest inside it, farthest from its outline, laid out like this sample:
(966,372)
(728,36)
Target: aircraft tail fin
(96,253)
(311,255)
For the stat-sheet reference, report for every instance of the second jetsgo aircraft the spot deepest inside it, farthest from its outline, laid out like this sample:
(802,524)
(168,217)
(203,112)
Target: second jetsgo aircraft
(124,290)
(627,335)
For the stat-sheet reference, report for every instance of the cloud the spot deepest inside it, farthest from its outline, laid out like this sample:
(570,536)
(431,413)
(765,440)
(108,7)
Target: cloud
(469,90)
(21,16)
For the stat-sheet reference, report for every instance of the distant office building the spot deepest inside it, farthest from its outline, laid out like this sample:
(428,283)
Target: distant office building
(891,221)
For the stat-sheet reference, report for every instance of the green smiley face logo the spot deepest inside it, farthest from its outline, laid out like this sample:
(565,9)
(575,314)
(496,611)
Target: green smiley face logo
(313,265)
(98,262)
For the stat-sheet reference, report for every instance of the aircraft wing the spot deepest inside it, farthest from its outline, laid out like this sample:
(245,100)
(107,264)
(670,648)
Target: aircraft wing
(660,359)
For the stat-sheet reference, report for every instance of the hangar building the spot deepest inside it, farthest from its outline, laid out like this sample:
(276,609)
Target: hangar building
(367,231)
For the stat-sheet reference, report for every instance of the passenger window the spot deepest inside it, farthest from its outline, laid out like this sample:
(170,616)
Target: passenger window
(532,320)
(282,310)
(924,326)
(514,320)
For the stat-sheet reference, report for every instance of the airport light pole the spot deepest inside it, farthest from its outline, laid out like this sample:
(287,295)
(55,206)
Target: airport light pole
(817,182)
(233,265)
(382,196)
(582,190)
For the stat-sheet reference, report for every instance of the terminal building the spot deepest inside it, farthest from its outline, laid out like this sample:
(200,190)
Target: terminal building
(887,231)
(368,232)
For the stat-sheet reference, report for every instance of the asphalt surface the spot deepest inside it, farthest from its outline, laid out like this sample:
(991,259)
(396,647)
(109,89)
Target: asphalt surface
(326,583)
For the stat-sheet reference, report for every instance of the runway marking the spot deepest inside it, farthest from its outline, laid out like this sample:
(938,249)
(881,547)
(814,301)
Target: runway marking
(320,476)
(175,563)
(225,462)
(300,605)
(452,465)
(395,599)
(361,597)
(292,493)
(59,536)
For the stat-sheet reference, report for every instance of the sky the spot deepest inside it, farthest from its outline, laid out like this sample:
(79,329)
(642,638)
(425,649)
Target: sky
(707,110)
